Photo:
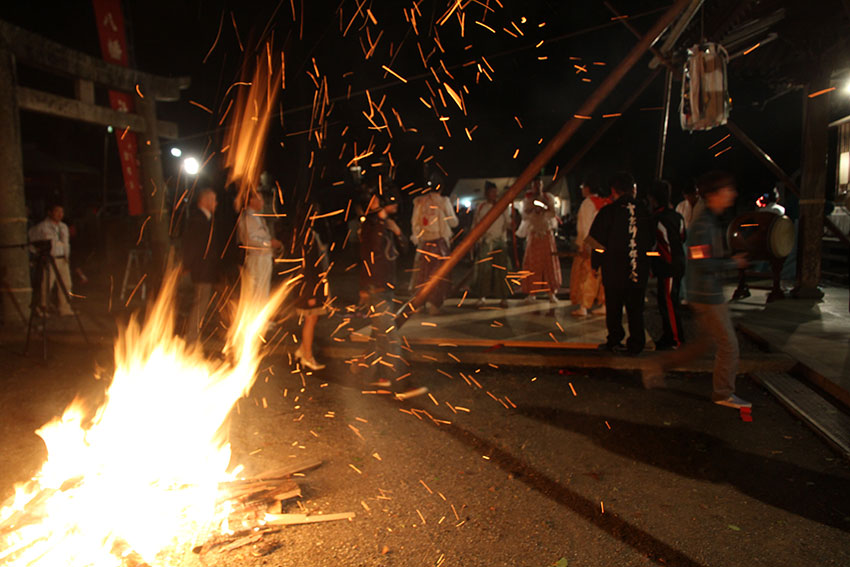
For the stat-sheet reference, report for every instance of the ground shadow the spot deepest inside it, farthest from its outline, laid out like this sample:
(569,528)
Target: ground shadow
(617,527)
(817,496)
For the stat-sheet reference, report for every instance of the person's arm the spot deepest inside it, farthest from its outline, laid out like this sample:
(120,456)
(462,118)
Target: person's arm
(416,228)
(584,220)
(707,262)
(252,233)
(449,213)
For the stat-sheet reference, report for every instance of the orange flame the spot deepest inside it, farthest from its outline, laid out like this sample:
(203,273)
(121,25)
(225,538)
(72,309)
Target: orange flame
(141,478)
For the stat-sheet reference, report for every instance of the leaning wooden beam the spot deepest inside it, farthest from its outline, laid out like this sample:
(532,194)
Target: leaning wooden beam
(54,105)
(32,49)
(780,174)
(546,154)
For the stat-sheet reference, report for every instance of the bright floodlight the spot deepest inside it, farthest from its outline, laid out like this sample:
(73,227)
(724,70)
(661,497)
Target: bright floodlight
(176,152)
(191,166)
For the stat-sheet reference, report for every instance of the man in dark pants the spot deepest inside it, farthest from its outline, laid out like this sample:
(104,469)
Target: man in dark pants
(622,234)
(201,253)
(669,265)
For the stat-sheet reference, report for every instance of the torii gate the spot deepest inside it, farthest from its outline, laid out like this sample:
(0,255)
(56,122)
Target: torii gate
(18,45)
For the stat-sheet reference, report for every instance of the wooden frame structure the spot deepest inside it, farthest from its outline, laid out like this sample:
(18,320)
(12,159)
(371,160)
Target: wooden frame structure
(24,47)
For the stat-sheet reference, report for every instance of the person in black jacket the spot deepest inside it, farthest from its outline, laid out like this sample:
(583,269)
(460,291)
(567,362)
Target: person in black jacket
(621,235)
(201,258)
(669,265)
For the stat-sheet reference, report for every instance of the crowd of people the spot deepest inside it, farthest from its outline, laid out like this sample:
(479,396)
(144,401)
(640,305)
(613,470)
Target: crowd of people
(621,239)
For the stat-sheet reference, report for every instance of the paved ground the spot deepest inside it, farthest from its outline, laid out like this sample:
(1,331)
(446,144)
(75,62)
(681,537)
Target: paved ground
(587,469)
(613,475)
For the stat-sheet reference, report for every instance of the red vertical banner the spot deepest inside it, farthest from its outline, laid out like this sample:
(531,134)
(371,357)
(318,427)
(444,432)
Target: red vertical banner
(113,46)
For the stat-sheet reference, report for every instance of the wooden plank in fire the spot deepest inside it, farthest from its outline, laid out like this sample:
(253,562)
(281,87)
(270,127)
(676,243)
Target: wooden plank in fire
(294,519)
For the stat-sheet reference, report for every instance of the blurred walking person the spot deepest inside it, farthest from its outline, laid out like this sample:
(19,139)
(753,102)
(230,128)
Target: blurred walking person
(492,261)
(585,282)
(707,261)
(431,226)
(312,291)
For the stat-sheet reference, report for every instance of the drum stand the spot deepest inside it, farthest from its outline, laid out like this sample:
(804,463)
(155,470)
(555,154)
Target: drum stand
(45,262)
(776,292)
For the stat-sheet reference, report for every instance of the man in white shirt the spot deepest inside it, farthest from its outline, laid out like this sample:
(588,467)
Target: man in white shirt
(53,229)
(690,206)
(492,261)
(259,246)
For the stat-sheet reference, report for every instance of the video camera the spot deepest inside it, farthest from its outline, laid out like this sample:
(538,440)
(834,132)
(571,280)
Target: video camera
(42,247)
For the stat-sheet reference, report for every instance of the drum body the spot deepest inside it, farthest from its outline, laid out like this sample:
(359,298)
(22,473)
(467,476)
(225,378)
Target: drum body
(762,235)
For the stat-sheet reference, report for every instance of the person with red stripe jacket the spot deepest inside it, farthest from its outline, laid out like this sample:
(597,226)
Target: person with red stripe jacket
(669,265)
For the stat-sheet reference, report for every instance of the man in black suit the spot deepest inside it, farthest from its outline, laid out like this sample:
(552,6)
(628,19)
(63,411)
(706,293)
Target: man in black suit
(201,258)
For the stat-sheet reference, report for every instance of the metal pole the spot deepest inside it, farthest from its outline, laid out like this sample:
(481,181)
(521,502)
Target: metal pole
(555,144)
(665,120)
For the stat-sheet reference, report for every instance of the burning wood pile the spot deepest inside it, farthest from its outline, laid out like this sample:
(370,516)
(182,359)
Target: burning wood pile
(147,477)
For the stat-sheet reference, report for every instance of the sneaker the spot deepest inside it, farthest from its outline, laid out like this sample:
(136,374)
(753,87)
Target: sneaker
(553,299)
(530,298)
(481,302)
(734,401)
(652,376)
(580,312)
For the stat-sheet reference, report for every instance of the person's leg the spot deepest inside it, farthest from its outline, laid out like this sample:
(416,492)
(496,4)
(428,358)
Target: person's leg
(634,300)
(719,324)
(202,293)
(307,333)
(614,313)
(665,310)
(65,275)
(676,302)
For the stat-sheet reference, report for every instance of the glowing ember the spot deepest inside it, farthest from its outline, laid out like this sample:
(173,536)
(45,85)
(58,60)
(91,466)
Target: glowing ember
(139,480)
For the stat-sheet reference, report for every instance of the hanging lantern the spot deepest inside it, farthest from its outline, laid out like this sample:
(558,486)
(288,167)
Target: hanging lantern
(705,90)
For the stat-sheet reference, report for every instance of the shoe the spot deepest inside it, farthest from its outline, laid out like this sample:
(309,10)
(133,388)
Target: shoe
(662,344)
(433,310)
(481,302)
(422,390)
(580,312)
(68,313)
(308,362)
(652,377)
(529,299)
(611,347)
(503,304)
(734,401)
(553,299)
(598,311)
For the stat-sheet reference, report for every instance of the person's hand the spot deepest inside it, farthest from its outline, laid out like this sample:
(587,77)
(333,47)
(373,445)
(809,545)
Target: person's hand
(276,244)
(741,260)
(391,224)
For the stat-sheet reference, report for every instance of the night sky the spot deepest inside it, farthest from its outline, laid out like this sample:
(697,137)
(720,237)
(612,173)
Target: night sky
(538,88)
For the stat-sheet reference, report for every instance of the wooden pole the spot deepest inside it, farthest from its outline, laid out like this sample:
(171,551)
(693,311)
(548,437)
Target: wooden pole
(546,154)
(15,286)
(812,188)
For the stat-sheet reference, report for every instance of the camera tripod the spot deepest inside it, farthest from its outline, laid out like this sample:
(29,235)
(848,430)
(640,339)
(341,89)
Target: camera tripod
(45,262)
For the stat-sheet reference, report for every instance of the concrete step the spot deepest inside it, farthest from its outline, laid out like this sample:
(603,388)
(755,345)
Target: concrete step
(816,411)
